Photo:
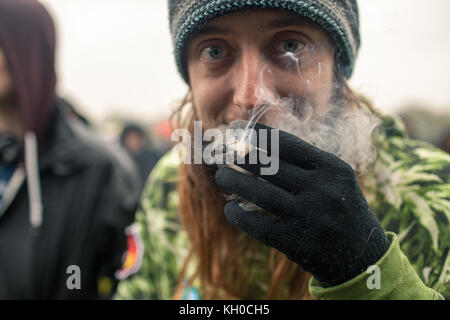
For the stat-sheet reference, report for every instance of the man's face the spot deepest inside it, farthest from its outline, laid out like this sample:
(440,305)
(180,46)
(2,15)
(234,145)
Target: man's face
(133,141)
(5,78)
(243,59)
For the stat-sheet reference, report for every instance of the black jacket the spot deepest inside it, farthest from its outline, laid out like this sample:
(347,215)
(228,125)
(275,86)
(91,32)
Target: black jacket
(89,195)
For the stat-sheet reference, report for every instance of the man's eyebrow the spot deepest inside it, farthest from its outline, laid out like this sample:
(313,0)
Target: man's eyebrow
(289,22)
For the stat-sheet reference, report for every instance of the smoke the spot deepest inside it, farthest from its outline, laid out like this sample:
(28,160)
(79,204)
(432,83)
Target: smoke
(344,131)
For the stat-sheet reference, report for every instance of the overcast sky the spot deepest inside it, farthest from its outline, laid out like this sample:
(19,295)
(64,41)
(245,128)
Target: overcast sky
(115,56)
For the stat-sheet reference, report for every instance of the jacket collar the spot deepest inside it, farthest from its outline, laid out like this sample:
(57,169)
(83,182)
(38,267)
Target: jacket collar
(64,152)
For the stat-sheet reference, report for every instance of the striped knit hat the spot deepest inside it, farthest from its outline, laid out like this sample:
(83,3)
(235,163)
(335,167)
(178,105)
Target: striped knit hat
(340,18)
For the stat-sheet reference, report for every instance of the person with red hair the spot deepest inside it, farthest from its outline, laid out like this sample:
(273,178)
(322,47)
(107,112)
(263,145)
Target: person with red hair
(350,200)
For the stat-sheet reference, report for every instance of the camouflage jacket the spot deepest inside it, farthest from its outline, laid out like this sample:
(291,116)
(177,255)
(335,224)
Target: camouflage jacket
(408,188)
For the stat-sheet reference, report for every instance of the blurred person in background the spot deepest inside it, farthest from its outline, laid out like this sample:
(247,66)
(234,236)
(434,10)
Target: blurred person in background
(336,211)
(134,140)
(66,200)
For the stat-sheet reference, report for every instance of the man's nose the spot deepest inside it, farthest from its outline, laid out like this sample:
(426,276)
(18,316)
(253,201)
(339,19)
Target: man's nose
(247,79)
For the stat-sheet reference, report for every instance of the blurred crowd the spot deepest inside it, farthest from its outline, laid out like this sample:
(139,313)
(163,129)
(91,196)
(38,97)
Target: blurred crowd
(145,143)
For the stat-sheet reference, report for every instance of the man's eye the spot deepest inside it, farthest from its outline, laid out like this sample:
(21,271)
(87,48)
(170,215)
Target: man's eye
(212,53)
(292,46)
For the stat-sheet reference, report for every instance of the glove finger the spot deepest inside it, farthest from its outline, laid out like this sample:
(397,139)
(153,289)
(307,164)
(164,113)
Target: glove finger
(262,193)
(288,176)
(255,224)
(293,149)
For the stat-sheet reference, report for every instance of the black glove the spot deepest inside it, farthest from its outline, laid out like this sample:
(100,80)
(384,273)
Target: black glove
(322,220)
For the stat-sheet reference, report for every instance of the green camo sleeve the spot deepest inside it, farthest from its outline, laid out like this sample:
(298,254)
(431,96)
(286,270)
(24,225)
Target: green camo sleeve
(165,244)
(392,278)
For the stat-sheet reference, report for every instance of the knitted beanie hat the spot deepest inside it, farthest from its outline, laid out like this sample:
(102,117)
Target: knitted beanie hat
(339,18)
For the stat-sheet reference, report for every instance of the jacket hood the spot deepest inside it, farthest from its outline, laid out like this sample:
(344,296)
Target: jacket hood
(27,39)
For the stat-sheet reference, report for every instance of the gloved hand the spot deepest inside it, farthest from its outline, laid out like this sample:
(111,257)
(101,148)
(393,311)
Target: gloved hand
(322,220)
